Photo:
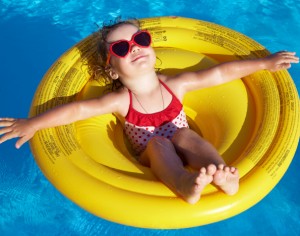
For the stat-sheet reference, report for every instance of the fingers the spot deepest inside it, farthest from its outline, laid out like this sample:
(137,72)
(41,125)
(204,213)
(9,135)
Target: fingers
(8,131)
(15,128)
(288,57)
(4,122)
(286,53)
(6,118)
(20,142)
(5,130)
(282,60)
(8,134)
(285,66)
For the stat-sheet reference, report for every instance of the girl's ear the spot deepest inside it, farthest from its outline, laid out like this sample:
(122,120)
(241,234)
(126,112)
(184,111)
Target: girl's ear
(113,74)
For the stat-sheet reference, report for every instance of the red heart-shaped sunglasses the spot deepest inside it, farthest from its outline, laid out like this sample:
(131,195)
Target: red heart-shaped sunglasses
(122,47)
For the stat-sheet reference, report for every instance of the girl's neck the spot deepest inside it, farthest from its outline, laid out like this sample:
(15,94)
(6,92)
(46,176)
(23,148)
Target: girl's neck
(142,85)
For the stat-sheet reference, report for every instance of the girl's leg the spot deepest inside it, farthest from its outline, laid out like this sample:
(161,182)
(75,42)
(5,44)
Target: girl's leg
(199,153)
(195,150)
(163,160)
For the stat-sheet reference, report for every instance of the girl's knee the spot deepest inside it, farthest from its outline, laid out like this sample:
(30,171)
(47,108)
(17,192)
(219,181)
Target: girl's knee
(181,131)
(158,142)
(180,134)
(156,147)
(186,138)
(159,145)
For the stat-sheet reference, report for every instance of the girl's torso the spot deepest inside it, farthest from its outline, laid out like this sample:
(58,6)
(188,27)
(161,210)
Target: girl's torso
(140,127)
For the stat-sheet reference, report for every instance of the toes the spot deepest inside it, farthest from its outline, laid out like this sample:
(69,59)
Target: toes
(203,170)
(236,171)
(198,181)
(226,168)
(221,166)
(201,175)
(211,169)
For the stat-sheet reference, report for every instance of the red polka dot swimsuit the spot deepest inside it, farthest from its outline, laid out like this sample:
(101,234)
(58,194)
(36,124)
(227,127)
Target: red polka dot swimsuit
(140,127)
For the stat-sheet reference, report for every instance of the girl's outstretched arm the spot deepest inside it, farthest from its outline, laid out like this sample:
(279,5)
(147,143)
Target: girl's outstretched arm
(61,115)
(238,69)
(26,128)
(228,71)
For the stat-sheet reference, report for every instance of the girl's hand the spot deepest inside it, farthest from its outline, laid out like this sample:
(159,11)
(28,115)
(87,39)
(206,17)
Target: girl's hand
(280,60)
(14,128)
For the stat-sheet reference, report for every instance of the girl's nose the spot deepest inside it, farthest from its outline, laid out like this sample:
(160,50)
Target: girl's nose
(134,48)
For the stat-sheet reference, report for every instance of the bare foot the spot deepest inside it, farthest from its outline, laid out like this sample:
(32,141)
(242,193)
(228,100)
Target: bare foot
(227,178)
(192,184)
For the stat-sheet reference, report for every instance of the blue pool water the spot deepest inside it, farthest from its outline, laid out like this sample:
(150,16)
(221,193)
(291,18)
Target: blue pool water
(35,33)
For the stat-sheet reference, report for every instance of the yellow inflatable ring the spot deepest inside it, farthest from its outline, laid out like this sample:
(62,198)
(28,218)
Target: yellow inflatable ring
(253,122)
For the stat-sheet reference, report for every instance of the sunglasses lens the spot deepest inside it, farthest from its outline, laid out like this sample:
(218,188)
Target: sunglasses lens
(143,39)
(120,48)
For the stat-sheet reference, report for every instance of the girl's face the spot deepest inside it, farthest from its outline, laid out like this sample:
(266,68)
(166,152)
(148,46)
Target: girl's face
(138,60)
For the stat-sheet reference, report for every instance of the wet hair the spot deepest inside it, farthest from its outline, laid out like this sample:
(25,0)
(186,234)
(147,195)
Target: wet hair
(101,71)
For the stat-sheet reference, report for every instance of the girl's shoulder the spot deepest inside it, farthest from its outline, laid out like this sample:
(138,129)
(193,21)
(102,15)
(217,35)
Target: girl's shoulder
(121,97)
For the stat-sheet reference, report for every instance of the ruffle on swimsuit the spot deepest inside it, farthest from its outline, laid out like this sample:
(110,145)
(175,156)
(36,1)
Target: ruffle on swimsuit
(140,127)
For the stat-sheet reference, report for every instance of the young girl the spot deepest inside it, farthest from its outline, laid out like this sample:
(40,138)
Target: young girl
(152,106)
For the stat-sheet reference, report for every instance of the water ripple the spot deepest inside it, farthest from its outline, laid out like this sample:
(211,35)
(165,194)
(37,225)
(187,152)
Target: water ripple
(240,14)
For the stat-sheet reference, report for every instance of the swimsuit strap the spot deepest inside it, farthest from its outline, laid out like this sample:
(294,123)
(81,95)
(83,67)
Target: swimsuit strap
(174,98)
(130,99)
(167,88)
